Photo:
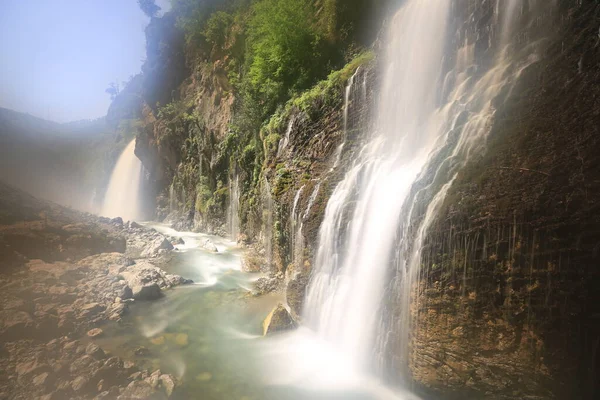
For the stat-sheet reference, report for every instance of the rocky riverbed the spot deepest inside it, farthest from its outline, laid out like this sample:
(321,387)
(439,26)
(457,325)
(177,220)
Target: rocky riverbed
(64,276)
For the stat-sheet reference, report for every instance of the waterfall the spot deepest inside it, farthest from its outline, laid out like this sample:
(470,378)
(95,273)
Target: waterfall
(172,198)
(426,128)
(296,231)
(355,96)
(283,143)
(356,237)
(268,210)
(122,197)
(234,207)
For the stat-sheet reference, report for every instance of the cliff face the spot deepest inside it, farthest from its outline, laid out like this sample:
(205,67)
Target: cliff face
(506,305)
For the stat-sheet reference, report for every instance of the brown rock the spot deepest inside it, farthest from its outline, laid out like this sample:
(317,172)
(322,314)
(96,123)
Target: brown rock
(94,351)
(96,332)
(40,380)
(168,383)
(80,383)
(139,390)
(278,320)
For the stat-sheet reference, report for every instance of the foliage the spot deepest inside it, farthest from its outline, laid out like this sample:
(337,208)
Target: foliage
(149,7)
(217,28)
(324,93)
(113,90)
(180,121)
(285,53)
(277,56)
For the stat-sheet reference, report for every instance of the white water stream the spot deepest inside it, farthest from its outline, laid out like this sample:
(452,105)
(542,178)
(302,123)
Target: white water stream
(233,212)
(354,254)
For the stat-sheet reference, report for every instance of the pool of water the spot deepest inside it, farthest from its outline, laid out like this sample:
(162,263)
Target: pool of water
(209,335)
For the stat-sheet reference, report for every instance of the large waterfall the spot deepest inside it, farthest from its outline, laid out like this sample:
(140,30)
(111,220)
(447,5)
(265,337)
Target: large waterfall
(355,245)
(431,118)
(122,197)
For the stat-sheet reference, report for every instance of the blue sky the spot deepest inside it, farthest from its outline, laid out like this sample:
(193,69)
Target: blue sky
(58,56)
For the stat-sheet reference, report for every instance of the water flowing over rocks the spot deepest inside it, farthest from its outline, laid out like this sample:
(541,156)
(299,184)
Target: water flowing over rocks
(56,297)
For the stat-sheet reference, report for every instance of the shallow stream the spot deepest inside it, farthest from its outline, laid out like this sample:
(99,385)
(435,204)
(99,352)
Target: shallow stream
(209,335)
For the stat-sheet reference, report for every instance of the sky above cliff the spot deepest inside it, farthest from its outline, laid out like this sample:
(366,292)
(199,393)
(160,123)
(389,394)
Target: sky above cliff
(58,57)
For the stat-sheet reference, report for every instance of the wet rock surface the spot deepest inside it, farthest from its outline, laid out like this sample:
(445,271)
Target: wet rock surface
(64,276)
(278,320)
(508,305)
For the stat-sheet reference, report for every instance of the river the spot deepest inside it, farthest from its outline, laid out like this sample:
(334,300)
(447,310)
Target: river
(209,335)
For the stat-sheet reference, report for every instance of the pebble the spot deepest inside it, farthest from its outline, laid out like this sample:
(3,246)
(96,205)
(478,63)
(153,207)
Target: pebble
(96,332)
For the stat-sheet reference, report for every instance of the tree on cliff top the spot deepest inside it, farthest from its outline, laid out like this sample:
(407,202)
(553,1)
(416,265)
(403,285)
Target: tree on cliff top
(285,51)
(149,7)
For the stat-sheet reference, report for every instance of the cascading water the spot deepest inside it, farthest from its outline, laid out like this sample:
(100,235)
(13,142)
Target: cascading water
(283,143)
(355,96)
(378,216)
(172,198)
(355,244)
(122,198)
(296,230)
(462,123)
(268,211)
(234,207)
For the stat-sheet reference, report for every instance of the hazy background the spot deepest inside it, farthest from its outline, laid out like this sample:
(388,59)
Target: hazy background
(59,56)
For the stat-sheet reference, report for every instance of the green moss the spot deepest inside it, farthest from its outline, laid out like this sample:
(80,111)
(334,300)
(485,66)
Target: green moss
(271,143)
(328,92)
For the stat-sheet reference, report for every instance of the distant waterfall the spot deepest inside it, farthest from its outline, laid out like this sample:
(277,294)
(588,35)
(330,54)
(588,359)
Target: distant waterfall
(122,198)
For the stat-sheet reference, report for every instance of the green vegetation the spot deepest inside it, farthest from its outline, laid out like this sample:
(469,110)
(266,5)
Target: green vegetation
(269,59)
(286,52)
(326,93)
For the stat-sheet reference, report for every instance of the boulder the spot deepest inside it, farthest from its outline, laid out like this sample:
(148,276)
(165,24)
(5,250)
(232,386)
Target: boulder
(146,292)
(94,351)
(134,225)
(168,383)
(209,246)
(117,221)
(153,247)
(278,320)
(80,384)
(91,309)
(265,285)
(125,293)
(41,379)
(147,280)
(140,390)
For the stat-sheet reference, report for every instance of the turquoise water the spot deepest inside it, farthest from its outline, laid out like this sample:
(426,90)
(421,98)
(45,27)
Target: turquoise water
(209,336)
